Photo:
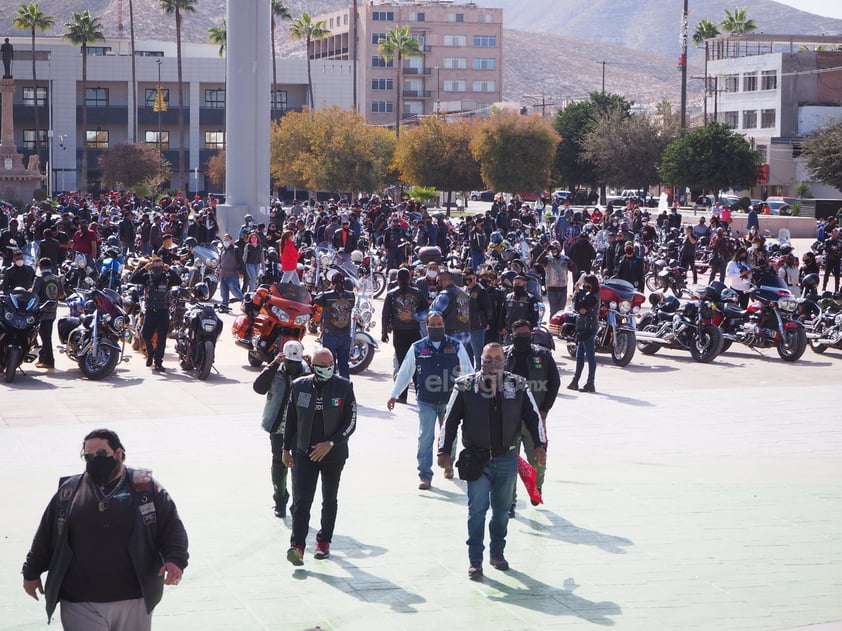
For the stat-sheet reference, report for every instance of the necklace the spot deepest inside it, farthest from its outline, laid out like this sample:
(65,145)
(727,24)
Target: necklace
(105,497)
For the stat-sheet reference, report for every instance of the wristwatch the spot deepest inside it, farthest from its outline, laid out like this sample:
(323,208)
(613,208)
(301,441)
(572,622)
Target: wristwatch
(331,443)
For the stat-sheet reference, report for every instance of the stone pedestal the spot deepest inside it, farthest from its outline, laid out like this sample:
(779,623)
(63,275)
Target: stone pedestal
(17,183)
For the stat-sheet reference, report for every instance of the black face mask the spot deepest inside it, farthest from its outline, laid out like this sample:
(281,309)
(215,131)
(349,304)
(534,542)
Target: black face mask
(101,468)
(520,292)
(522,342)
(436,333)
(292,367)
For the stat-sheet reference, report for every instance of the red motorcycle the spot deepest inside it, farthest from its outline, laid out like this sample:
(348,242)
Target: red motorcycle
(273,315)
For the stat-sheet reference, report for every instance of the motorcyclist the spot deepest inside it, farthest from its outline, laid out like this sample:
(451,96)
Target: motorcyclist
(337,310)
(18,274)
(630,268)
(520,304)
(157,281)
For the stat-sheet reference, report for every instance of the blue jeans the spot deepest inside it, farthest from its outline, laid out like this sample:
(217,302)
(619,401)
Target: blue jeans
(477,259)
(429,415)
(291,277)
(340,346)
(477,343)
(253,274)
(585,350)
(229,284)
(493,489)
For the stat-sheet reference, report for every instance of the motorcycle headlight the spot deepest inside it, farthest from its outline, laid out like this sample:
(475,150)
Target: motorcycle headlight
(838,319)
(30,320)
(625,306)
(325,260)
(636,309)
(119,323)
(612,305)
(301,320)
(364,317)
(209,326)
(106,317)
(787,304)
(212,263)
(282,315)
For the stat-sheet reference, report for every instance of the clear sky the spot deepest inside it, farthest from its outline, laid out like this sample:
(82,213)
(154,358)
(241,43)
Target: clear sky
(829,8)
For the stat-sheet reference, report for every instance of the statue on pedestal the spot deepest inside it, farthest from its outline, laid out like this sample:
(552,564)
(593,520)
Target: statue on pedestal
(7,51)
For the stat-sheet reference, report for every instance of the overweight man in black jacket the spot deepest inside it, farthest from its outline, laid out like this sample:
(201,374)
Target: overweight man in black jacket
(321,416)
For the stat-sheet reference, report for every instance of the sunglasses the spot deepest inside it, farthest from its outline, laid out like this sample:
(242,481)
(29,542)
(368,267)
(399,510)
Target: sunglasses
(100,452)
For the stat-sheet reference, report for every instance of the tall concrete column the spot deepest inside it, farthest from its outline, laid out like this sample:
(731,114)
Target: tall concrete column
(248,77)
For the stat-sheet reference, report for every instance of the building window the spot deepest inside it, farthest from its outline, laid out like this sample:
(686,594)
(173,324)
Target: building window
(730,82)
(485,41)
(413,107)
(382,107)
(331,23)
(485,18)
(767,119)
(455,63)
(150,94)
(96,139)
(151,137)
(96,97)
(762,151)
(30,95)
(455,40)
(378,62)
(455,85)
(455,17)
(29,138)
(215,98)
(149,53)
(416,17)
(750,82)
(485,63)
(382,84)
(279,100)
(421,40)
(383,16)
(376,38)
(732,119)
(484,86)
(98,51)
(797,149)
(749,119)
(214,140)
(345,19)
(413,63)
(769,80)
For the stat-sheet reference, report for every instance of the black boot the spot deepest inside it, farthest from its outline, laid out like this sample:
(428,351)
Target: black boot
(573,385)
(589,387)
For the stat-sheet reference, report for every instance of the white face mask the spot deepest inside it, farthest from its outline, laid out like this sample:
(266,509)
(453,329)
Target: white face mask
(19,262)
(227,244)
(432,274)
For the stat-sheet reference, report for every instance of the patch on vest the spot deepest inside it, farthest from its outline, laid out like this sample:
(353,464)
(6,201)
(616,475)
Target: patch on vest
(304,399)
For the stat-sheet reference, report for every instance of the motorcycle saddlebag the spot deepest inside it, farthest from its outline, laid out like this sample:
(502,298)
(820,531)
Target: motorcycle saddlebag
(65,327)
(241,326)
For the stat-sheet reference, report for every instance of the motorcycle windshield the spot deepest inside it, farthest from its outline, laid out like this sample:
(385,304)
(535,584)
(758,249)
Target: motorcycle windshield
(622,288)
(294,293)
(206,254)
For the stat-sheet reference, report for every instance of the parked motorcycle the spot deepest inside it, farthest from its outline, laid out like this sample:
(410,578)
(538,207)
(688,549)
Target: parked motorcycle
(198,333)
(203,268)
(768,321)
(96,339)
(111,268)
(686,326)
(78,274)
(20,315)
(272,316)
(616,331)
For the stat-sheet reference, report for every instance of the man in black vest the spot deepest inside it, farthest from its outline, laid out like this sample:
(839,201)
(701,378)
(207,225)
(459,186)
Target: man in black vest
(337,311)
(434,362)
(491,405)
(400,309)
(454,304)
(535,364)
(110,539)
(520,304)
(157,281)
(321,416)
(48,287)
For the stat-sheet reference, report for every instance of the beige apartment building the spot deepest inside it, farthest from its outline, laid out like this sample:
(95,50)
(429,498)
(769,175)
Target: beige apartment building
(460,70)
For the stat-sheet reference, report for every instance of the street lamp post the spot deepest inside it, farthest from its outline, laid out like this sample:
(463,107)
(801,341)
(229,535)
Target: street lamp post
(438,90)
(682,66)
(158,106)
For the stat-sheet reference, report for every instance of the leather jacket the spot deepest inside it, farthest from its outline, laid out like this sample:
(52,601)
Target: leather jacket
(340,412)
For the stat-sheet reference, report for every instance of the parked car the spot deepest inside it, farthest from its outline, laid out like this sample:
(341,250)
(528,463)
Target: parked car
(482,196)
(779,206)
(562,195)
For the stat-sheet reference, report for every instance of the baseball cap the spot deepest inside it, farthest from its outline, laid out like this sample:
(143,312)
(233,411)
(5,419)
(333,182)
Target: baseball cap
(294,351)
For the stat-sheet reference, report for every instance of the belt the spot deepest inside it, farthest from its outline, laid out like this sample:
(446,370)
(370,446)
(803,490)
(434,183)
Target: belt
(502,453)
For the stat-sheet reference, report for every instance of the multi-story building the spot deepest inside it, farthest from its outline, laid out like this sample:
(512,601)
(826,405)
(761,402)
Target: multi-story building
(460,70)
(121,109)
(775,90)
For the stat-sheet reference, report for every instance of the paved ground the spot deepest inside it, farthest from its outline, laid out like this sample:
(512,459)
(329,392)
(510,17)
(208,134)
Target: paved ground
(682,496)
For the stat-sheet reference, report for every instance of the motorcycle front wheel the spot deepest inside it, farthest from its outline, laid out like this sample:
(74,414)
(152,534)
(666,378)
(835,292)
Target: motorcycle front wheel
(622,350)
(793,344)
(360,357)
(378,283)
(12,361)
(707,344)
(206,360)
(96,366)
(652,282)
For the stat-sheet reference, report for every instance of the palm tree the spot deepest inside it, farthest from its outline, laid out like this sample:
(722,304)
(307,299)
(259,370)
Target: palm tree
(737,23)
(280,12)
(84,29)
(219,35)
(304,28)
(31,17)
(399,43)
(179,8)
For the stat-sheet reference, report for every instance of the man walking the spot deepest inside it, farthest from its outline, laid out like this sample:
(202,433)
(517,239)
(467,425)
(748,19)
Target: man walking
(109,540)
(321,416)
(48,287)
(453,304)
(490,405)
(434,362)
(231,265)
(157,281)
(337,309)
(556,266)
(400,309)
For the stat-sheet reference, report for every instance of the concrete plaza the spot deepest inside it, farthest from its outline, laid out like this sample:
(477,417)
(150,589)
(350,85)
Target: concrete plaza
(681,496)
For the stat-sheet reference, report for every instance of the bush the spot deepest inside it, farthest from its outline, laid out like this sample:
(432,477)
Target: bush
(795,209)
(39,195)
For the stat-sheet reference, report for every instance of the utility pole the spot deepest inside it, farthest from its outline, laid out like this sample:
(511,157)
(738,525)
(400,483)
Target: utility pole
(682,67)
(603,76)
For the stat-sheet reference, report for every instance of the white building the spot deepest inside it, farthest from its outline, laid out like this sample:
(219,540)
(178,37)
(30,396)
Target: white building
(775,90)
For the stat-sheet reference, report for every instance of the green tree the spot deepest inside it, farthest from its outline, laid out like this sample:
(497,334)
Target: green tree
(737,22)
(304,28)
(515,152)
(331,149)
(126,165)
(572,123)
(711,158)
(705,30)
(218,35)
(399,43)
(30,17)
(84,29)
(626,150)
(178,8)
(279,12)
(822,153)
(437,154)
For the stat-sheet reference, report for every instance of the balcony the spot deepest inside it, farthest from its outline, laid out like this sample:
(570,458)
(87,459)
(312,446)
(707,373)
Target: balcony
(278,114)
(111,114)
(146,116)
(25,115)
(418,94)
(212,116)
